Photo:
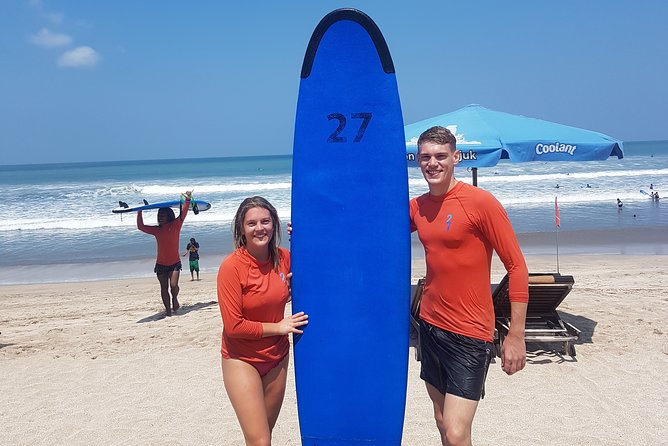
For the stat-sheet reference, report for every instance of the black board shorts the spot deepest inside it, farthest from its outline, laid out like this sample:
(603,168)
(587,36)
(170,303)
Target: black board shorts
(454,363)
(164,269)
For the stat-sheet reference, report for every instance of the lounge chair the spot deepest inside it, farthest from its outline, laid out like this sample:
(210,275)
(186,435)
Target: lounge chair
(543,324)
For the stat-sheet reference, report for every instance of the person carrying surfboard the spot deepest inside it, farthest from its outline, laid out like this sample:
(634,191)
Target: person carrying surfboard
(168,262)
(459,226)
(253,288)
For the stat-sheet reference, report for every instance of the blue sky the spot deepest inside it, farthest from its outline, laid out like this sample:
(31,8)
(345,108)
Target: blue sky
(86,80)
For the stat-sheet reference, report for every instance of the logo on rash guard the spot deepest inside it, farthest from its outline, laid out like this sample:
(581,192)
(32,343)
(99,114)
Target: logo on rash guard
(282,276)
(448,220)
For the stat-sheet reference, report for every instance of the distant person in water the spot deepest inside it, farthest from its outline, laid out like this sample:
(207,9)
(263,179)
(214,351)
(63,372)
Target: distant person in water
(193,261)
(588,186)
(557,186)
(619,204)
(168,263)
(651,186)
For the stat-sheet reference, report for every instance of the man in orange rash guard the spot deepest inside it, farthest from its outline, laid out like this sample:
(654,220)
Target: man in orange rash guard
(459,226)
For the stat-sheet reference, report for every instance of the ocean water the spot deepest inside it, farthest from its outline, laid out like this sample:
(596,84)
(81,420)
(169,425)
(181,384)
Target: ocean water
(57,223)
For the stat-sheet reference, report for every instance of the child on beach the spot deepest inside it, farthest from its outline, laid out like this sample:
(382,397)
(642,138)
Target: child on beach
(459,226)
(193,260)
(168,263)
(253,289)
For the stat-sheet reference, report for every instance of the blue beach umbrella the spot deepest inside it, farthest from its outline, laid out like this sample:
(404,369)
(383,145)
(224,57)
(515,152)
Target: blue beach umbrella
(486,136)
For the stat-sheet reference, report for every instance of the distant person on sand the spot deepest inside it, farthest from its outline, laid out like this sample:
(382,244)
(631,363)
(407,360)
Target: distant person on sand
(253,289)
(459,226)
(168,263)
(619,204)
(193,261)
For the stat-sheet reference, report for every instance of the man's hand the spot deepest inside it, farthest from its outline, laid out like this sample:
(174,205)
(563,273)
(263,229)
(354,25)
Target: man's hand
(513,353)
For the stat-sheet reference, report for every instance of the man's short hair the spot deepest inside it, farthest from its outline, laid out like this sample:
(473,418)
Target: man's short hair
(437,135)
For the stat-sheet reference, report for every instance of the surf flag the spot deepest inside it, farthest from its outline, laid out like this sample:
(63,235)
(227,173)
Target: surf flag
(557,219)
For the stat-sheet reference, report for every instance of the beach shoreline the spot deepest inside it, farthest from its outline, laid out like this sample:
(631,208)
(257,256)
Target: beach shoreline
(646,241)
(94,362)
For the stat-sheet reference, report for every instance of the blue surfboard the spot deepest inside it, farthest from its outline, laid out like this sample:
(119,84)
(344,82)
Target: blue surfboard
(351,241)
(195,205)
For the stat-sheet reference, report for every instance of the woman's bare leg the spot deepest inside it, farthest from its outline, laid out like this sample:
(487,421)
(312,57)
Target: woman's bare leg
(245,389)
(163,278)
(174,286)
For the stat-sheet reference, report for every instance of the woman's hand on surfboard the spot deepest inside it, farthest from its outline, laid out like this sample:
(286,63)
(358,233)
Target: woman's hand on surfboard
(292,323)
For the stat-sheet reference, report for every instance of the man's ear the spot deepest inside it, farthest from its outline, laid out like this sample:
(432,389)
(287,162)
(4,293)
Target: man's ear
(458,156)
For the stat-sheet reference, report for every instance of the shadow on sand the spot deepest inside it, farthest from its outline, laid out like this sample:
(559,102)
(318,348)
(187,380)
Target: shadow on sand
(548,353)
(185,309)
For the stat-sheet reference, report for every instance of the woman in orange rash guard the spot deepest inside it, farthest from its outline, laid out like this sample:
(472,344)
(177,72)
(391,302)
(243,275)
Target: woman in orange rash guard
(168,262)
(253,289)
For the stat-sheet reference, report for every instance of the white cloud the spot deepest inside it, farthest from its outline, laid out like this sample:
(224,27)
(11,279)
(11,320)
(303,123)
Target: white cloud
(83,56)
(48,39)
(54,17)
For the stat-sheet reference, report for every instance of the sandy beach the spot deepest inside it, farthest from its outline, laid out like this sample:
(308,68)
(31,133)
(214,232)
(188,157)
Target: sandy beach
(93,363)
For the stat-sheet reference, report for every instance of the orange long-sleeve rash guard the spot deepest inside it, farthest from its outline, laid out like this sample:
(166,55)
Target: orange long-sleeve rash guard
(250,293)
(166,236)
(459,231)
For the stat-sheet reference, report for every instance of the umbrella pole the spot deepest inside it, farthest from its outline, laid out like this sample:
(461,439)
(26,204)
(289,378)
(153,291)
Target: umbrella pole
(474,174)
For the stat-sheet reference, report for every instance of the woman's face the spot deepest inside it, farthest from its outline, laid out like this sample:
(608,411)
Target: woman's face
(258,227)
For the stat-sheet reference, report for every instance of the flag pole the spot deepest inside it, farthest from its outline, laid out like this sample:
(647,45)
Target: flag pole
(557,237)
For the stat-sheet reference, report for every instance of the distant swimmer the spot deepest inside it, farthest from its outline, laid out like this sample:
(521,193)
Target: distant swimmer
(619,204)
(588,186)
(557,186)
(651,186)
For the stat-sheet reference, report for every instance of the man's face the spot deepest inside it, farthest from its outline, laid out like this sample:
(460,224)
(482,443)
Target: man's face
(437,162)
